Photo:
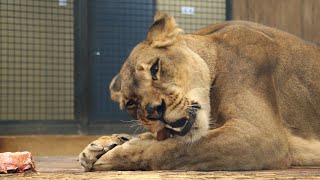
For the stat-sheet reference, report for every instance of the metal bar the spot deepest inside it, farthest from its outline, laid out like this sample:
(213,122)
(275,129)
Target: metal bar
(229,10)
(82,65)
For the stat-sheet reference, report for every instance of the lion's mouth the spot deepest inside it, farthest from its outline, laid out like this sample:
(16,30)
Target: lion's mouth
(169,130)
(179,127)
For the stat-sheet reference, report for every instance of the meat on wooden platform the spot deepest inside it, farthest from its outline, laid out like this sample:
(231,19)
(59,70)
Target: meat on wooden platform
(16,162)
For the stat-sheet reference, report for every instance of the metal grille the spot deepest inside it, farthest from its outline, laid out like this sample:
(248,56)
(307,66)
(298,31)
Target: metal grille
(36,67)
(116,26)
(193,15)
(37,52)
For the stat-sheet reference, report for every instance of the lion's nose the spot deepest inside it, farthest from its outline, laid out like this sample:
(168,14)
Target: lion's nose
(154,112)
(150,109)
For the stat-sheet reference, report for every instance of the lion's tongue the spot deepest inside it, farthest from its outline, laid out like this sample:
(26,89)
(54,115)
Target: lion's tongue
(163,134)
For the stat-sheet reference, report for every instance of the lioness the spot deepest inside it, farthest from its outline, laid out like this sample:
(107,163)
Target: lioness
(233,96)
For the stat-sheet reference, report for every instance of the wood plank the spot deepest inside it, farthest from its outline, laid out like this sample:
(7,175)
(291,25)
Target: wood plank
(299,17)
(46,145)
(66,167)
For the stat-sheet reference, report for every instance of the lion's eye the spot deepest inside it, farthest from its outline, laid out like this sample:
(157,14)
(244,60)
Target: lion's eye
(131,104)
(154,70)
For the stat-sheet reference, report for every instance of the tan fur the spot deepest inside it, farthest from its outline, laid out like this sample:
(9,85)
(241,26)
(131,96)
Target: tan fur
(258,88)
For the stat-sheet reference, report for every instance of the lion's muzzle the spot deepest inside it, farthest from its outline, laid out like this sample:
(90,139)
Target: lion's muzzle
(155,112)
(182,126)
(179,127)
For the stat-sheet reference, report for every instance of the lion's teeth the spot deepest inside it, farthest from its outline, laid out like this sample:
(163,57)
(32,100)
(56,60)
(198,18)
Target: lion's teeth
(168,126)
(178,129)
(175,129)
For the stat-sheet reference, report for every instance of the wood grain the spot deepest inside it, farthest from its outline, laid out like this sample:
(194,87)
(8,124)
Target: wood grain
(66,167)
(299,17)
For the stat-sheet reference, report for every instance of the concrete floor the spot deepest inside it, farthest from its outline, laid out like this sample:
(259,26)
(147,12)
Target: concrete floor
(67,167)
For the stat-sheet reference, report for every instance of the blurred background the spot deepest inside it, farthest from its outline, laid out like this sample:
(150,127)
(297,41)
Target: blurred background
(57,58)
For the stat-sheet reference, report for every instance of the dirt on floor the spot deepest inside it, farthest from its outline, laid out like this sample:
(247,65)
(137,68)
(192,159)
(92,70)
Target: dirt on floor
(67,167)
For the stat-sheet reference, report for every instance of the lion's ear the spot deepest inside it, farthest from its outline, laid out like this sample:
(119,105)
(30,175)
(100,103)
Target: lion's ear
(115,88)
(163,31)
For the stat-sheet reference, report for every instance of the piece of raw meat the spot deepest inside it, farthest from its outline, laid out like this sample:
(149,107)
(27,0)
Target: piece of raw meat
(13,162)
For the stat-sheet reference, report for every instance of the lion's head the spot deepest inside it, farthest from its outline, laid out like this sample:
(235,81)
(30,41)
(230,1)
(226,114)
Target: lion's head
(164,84)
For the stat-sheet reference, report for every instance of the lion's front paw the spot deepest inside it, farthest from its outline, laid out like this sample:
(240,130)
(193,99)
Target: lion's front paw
(99,147)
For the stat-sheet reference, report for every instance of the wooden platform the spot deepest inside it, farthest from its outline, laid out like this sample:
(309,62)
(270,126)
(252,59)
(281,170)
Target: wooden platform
(67,167)
(46,145)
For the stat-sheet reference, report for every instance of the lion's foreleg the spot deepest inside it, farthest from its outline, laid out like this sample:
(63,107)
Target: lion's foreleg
(235,146)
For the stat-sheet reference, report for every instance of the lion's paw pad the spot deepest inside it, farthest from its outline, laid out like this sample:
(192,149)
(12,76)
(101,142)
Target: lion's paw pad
(99,147)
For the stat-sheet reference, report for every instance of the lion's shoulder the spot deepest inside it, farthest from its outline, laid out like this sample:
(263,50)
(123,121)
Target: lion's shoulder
(247,32)
(212,29)
(239,28)
(226,25)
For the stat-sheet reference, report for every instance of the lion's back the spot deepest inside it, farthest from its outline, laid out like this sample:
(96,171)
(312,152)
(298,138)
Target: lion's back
(292,63)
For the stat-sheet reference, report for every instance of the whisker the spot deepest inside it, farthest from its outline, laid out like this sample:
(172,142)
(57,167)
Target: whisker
(133,122)
(137,129)
(129,121)
(134,125)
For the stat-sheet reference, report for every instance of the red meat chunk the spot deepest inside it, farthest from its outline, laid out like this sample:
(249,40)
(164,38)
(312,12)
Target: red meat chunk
(16,162)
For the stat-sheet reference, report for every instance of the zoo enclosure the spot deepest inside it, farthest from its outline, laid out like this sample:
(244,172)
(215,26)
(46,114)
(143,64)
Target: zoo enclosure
(58,57)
